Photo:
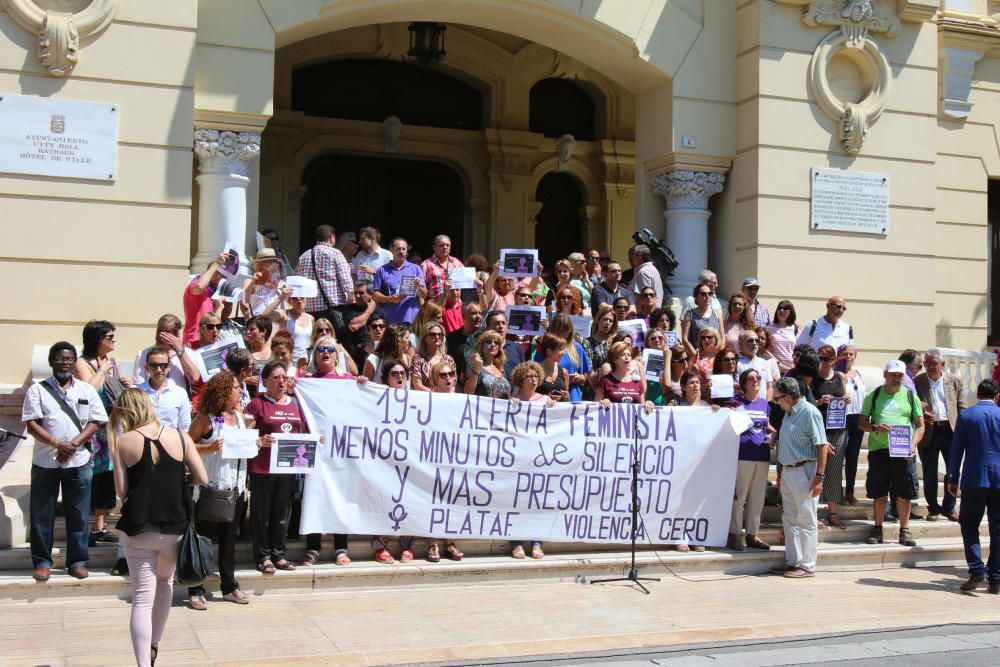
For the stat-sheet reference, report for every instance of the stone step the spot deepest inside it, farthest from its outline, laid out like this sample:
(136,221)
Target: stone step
(858,528)
(17,587)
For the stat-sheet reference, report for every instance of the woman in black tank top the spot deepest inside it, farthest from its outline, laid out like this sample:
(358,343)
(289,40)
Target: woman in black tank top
(156,509)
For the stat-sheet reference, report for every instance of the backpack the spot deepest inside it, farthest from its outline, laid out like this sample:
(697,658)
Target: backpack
(909,395)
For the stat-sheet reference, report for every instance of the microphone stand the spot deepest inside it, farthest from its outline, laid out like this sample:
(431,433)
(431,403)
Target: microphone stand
(633,573)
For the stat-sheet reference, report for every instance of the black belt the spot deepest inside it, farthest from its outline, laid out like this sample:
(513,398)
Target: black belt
(796,465)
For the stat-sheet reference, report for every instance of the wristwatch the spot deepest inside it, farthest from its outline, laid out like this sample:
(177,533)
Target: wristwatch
(821,475)
(180,352)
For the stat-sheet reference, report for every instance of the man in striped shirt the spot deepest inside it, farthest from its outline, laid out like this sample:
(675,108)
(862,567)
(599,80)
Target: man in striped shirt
(436,266)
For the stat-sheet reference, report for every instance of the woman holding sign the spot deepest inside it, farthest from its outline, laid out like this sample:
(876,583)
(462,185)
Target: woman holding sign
(752,466)
(574,359)
(656,340)
(830,384)
(444,379)
(219,412)
(271,495)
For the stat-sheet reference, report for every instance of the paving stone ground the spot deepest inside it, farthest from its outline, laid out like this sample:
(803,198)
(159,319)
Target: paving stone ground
(470,622)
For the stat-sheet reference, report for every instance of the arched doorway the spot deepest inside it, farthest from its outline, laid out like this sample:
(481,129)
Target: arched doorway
(415,199)
(559,225)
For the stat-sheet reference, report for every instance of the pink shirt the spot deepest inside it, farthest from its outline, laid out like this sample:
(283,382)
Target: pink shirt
(782,342)
(195,305)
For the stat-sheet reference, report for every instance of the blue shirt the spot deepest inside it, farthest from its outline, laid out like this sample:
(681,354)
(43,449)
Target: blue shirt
(801,433)
(387,281)
(172,406)
(575,390)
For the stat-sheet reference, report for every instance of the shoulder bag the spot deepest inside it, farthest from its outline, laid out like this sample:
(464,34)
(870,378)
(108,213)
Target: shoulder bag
(196,558)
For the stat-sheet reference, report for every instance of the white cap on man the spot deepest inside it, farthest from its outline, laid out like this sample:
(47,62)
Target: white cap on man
(895,366)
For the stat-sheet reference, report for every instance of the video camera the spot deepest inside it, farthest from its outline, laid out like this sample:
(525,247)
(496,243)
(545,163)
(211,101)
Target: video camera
(664,259)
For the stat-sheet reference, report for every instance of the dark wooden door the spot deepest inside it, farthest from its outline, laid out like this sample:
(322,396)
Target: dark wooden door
(413,199)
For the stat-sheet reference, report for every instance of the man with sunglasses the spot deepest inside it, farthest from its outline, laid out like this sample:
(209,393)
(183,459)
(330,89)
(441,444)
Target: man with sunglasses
(186,365)
(611,289)
(802,449)
(748,359)
(831,329)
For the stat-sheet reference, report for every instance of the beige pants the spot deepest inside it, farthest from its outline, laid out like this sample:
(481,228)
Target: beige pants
(751,487)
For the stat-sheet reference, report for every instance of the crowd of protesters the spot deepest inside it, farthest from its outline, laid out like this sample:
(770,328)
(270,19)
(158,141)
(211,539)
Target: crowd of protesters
(383,315)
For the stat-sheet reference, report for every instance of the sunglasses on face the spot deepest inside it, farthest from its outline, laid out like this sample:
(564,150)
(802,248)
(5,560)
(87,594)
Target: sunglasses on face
(753,341)
(729,360)
(397,374)
(433,334)
(826,360)
(158,367)
(566,297)
(784,308)
(837,306)
(377,325)
(446,374)
(211,327)
(324,331)
(712,338)
(621,306)
(648,295)
(680,360)
(753,378)
(491,343)
(524,295)
(704,294)
(325,348)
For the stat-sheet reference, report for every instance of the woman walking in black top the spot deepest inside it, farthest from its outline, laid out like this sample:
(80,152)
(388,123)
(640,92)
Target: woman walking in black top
(156,505)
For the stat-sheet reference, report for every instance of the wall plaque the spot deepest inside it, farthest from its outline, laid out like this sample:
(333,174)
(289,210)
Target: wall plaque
(849,201)
(49,137)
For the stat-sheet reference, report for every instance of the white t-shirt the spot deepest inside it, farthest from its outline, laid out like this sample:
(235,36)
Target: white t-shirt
(825,333)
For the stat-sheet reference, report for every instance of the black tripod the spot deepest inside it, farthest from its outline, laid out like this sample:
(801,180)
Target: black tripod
(633,573)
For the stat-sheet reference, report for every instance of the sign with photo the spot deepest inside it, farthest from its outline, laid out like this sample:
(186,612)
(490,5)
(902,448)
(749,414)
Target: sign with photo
(231,268)
(525,320)
(635,328)
(294,453)
(520,263)
(653,361)
(214,355)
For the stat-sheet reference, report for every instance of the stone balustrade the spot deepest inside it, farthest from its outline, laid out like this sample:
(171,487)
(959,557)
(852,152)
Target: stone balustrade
(972,367)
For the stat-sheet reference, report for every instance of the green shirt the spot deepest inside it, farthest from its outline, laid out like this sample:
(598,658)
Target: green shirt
(891,409)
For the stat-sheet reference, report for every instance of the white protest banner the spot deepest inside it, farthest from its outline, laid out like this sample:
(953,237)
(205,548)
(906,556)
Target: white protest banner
(450,465)
(304,287)
(520,263)
(294,453)
(239,443)
(463,278)
(214,356)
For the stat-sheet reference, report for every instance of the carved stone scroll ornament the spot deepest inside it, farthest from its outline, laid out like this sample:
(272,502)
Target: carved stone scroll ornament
(853,119)
(59,33)
(855,18)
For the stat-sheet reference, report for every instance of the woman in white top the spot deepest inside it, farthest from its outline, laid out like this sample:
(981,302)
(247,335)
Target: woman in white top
(297,322)
(219,408)
(265,286)
(856,390)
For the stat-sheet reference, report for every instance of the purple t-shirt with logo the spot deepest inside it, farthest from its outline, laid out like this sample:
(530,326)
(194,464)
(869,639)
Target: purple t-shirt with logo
(387,281)
(752,445)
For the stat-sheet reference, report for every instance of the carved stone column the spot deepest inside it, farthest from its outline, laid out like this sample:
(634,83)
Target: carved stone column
(223,160)
(687,193)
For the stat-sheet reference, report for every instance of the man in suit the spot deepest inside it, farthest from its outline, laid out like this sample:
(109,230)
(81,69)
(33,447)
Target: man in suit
(977,437)
(942,398)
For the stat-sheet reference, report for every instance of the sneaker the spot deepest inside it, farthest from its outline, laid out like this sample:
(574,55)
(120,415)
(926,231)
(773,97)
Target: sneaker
(104,535)
(875,537)
(905,538)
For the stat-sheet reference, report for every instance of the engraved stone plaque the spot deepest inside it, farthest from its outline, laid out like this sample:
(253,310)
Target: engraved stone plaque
(849,201)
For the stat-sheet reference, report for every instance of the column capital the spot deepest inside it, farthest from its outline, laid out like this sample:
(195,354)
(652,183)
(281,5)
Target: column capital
(223,151)
(688,189)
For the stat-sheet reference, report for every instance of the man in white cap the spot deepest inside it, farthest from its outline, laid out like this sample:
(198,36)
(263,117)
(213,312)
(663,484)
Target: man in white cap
(761,315)
(888,406)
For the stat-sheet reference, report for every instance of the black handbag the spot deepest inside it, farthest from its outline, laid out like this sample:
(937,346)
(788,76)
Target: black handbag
(218,505)
(196,558)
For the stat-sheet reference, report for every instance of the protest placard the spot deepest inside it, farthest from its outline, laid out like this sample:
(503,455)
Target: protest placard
(525,320)
(519,262)
(239,443)
(294,453)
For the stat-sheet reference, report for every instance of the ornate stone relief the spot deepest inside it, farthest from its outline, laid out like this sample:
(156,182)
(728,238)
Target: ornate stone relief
(59,32)
(683,188)
(225,151)
(855,20)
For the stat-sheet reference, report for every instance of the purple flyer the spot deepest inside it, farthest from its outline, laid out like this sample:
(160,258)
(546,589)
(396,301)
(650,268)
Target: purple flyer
(899,441)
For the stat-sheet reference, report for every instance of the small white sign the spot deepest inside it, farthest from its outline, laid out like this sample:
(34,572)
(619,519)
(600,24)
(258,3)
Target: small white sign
(722,386)
(53,137)
(653,361)
(304,287)
(463,278)
(582,324)
(239,443)
(849,201)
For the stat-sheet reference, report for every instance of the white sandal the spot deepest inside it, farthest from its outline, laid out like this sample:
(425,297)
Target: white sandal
(237,596)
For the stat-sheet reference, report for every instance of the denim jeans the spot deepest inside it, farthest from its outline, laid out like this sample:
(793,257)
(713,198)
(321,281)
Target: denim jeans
(45,484)
(975,503)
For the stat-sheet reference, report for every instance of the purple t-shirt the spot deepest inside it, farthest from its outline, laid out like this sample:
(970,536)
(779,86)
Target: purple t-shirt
(752,445)
(387,281)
